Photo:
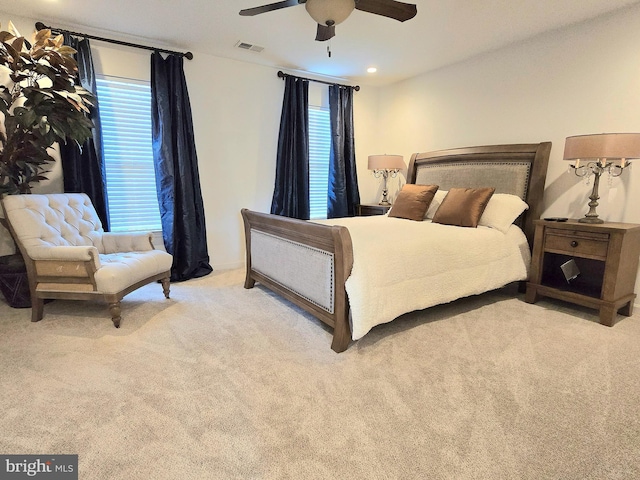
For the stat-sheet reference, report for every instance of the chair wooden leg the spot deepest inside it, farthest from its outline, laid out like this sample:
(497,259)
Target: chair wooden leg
(37,308)
(114,308)
(165,287)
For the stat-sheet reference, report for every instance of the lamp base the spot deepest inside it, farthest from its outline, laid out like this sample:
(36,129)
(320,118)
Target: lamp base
(590,220)
(384,200)
(592,216)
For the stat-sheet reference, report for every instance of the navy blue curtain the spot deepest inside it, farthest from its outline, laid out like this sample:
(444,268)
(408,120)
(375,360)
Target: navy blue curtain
(176,164)
(83,169)
(291,190)
(344,195)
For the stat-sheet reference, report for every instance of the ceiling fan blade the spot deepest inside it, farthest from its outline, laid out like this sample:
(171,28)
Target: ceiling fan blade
(249,12)
(388,8)
(325,32)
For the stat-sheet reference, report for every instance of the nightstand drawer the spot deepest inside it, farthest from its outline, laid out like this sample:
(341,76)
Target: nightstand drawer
(370,210)
(577,244)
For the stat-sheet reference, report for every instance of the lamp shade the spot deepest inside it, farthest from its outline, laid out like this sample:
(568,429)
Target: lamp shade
(330,12)
(386,162)
(603,145)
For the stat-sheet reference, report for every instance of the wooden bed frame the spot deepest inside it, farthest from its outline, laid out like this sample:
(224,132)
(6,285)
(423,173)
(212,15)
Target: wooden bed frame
(471,167)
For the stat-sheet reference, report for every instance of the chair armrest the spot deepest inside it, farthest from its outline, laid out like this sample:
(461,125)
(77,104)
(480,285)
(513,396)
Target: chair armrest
(63,253)
(126,242)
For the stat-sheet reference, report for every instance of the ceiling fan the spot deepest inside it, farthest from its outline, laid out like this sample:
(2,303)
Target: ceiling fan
(329,13)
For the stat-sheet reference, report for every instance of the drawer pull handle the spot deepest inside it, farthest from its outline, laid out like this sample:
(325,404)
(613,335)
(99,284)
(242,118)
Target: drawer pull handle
(574,244)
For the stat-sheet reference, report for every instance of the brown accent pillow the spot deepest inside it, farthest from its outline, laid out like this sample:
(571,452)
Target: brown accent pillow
(413,201)
(463,206)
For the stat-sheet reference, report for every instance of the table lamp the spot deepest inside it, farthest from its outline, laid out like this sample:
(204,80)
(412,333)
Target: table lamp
(385,166)
(599,153)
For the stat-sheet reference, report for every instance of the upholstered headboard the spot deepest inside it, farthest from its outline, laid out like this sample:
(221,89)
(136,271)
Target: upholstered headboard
(518,169)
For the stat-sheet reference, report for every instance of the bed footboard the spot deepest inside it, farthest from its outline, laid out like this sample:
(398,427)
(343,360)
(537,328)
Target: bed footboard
(306,263)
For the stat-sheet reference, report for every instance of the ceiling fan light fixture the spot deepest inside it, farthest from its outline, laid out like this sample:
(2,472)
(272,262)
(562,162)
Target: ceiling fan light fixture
(330,12)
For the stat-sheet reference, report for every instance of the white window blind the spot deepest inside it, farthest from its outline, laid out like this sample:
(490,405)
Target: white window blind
(319,151)
(125,115)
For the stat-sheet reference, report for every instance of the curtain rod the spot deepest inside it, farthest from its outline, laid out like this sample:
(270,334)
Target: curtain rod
(42,26)
(281,74)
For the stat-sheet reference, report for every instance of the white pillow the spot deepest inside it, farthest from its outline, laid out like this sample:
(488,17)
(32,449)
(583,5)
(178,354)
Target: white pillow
(435,203)
(501,211)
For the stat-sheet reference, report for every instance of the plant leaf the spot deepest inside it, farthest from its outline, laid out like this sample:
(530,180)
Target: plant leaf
(40,103)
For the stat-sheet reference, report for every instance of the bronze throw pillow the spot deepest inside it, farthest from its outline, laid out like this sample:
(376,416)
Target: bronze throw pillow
(463,206)
(413,201)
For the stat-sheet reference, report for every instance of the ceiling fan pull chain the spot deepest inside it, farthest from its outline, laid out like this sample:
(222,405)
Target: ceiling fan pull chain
(329,50)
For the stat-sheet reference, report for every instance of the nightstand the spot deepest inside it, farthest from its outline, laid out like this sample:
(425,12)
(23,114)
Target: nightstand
(606,255)
(366,210)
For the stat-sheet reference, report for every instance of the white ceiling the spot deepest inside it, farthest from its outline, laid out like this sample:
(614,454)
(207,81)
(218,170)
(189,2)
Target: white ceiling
(442,33)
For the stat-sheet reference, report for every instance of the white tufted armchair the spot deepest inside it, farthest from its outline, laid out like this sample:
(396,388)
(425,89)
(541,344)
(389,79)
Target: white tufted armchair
(69,256)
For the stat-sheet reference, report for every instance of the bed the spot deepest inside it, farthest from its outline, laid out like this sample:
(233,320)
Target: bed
(344,271)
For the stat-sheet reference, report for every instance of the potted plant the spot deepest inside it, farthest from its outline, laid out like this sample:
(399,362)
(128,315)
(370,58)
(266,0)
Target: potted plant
(40,105)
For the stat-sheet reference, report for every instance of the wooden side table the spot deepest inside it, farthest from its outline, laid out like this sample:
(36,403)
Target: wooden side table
(606,255)
(366,210)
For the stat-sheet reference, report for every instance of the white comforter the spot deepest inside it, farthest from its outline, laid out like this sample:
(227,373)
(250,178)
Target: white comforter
(401,265)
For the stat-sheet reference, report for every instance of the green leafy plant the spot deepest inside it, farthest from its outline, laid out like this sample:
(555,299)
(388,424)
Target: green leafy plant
(41,106)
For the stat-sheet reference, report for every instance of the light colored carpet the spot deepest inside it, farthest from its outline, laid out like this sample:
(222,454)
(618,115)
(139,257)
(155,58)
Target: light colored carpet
(226,383)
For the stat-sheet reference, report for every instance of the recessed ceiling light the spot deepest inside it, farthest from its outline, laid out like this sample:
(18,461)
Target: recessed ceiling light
(372,70)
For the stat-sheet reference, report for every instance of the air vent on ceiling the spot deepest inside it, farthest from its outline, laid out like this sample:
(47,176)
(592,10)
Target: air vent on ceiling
(249,46)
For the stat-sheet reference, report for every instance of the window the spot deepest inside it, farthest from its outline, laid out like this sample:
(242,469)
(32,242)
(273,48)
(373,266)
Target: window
(319,152)
(125,115)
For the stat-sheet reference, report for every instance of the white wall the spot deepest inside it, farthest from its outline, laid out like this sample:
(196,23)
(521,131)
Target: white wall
(236,113)
(580,80)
